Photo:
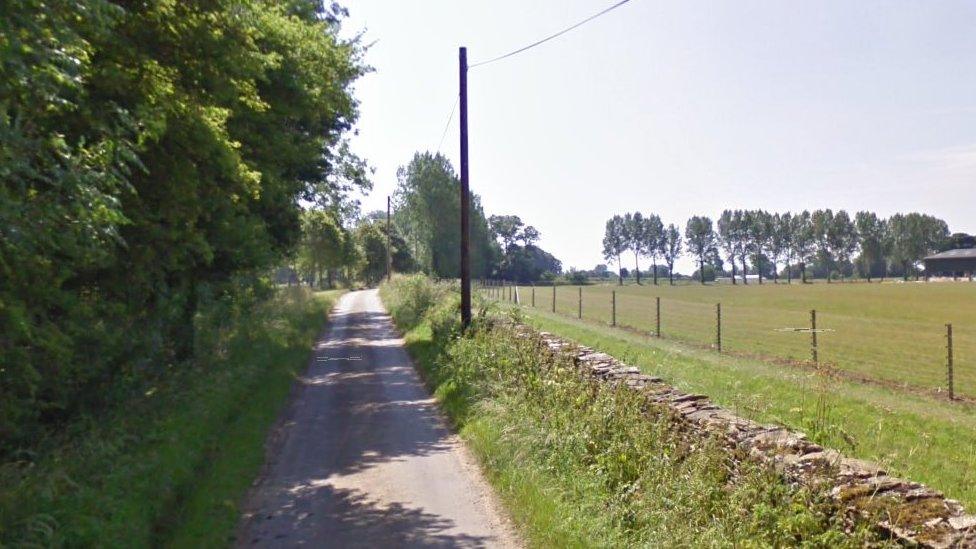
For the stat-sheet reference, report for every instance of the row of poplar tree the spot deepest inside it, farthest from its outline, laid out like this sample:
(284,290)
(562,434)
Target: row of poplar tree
(836,243)
(155,161)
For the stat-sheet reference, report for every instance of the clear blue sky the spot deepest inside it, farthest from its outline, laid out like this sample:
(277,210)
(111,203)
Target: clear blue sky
(680,108)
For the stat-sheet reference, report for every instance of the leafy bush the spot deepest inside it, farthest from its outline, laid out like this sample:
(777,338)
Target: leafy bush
(409,297)
(577,278)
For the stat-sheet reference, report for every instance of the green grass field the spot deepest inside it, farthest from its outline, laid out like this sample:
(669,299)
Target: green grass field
(893,332)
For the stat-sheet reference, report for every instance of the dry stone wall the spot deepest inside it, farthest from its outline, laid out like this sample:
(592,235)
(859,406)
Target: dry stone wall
(908,511)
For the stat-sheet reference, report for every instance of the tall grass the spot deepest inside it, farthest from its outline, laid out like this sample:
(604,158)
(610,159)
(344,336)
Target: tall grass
(580,464)
(170,466)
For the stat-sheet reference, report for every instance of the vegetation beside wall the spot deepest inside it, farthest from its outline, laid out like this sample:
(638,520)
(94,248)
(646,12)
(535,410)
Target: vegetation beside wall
(583,465)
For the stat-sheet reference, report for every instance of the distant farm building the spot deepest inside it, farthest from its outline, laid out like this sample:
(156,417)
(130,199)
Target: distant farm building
(952,263)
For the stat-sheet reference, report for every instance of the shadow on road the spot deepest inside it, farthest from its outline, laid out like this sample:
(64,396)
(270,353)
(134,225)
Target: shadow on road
(359,410)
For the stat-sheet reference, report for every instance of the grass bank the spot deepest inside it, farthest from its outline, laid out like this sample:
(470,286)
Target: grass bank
(914,436)
(583,465)
(170,468)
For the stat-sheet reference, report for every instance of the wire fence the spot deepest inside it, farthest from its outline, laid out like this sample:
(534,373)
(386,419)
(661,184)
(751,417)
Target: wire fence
(903,354)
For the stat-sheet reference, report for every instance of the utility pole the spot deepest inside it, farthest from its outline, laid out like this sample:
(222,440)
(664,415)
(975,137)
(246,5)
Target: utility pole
(465,230)
(389,256)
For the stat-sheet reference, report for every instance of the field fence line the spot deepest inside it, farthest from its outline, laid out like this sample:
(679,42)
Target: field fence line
(847,343)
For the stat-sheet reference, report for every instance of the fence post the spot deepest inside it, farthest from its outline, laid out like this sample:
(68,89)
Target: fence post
(613,307)
(657,317)
(533,295)
(813,335)
(580,313)
(718,326)
(952,392)
(553,297)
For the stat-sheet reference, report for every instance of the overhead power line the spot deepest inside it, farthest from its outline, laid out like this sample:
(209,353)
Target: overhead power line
(447,126)
(550,37)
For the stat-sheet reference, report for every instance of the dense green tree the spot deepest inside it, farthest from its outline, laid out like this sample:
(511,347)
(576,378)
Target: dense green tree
(153,154)
(428,214)
(842,239)
(371,239)
(914,236)
(326,246)
(742,221)
(779,243)
(521,260)
(615,243)
(728,236)
(820,226)
(670,248)
(700,237)
(653,235)
(803,240)
(872,234)
(634,235)
(761,232)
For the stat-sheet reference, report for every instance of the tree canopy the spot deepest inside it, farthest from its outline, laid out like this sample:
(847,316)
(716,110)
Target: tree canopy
(153,153)
(428,214)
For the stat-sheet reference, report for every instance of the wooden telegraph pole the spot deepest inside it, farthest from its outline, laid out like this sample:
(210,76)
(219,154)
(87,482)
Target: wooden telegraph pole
(389,256)
(465,230)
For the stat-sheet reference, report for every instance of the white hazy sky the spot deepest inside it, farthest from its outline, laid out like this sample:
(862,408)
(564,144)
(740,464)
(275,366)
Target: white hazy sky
(680,107)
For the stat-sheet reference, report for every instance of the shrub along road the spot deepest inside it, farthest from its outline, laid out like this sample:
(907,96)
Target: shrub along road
(363,456)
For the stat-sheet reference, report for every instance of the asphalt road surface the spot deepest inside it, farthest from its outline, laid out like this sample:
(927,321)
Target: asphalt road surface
(363,456)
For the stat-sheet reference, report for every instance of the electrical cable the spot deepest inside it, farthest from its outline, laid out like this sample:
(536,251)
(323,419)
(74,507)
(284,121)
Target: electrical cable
(447,126)
(550,37)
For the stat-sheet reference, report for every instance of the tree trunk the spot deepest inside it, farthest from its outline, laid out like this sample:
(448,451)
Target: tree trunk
(671,274)
(620,271)
(732,261)
(185,346)
(760,268)
(803,271)
(654,260)
(637,268)
(745,269)
(701,269)
(789,269)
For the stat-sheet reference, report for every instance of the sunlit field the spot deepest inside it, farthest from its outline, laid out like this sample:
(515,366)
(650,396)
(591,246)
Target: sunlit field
(893,332)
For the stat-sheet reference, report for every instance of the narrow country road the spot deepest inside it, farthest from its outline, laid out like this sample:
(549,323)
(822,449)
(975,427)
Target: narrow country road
(363,457)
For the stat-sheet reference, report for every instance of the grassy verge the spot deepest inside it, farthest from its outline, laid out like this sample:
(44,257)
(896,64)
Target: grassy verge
(917,437)
(170,468)
(583,465)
